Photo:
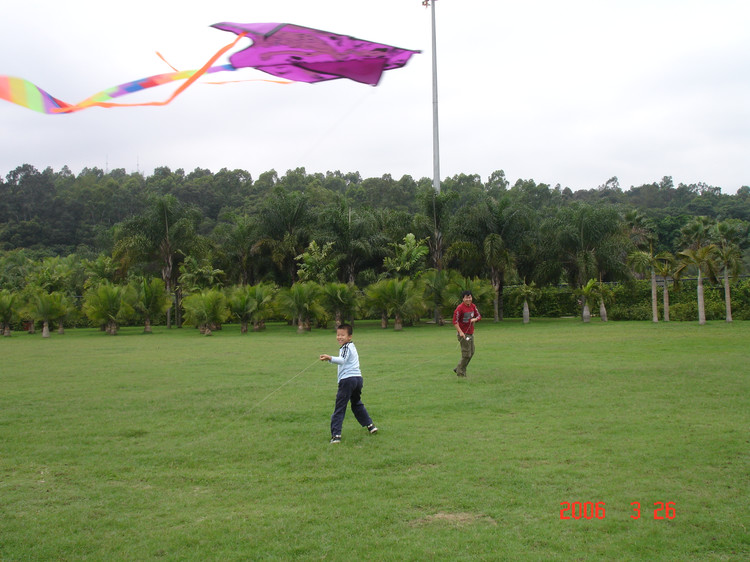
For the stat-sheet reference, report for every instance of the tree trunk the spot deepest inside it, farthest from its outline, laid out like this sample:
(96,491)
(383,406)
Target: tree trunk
(526,314)
(496,299)
(243,327)
(6,330)
(168,286)
(178,307)
(45,329)
(60,329)
(501,287)
(727,296)
(383,320)
(147,326)
(701,302)
(654,303)
(398,324)
(603,311)
(666,301)
(586,312)
(437,316)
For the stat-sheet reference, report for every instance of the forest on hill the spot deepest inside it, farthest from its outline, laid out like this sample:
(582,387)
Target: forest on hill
(201,230)
(58,213)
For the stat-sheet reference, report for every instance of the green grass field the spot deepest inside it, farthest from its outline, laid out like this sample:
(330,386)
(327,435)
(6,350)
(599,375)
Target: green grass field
(175,446)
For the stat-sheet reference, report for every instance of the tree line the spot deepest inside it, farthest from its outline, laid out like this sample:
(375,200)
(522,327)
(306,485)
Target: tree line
(201,232)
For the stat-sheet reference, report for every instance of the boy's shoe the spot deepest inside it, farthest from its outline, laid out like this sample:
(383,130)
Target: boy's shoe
(371,428)
(336,439)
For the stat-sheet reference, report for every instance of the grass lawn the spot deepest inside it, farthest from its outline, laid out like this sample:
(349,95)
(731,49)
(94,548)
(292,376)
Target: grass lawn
(175,446)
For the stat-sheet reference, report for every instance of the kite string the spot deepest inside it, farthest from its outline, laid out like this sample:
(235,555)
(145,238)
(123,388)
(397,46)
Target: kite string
(279,388)
(285,383)
(219,69)
(248,410)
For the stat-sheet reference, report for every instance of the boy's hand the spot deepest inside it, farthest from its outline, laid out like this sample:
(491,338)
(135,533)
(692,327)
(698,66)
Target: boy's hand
(325,357)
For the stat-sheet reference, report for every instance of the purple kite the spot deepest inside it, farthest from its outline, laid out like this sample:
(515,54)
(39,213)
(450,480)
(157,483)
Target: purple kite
(302,54)
(288,51)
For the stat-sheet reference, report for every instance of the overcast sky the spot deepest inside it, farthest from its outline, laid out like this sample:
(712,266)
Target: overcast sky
(570,92)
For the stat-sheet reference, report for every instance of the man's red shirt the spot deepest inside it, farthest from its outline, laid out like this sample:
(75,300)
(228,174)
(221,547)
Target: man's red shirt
(463,315)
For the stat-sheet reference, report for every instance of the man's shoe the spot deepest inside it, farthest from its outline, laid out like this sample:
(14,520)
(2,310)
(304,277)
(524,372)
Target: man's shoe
(371,428)
(336,439)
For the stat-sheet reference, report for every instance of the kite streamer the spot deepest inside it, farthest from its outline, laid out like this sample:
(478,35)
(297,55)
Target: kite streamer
(291,52)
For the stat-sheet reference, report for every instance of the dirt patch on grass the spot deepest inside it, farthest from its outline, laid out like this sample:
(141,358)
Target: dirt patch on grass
(460,519)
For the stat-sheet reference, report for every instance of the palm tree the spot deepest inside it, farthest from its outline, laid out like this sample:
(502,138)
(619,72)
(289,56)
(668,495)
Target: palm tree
(242,306)
(238,240)
(697,232)
(703,259)
(433,220)
(285,229)
(264,295)
(731,235)
(401,298)
(404,300)
(356,238)
(300,303)
(341,300)
(592,291)
(108,305)
(151,300)
(42,308)
(500,236)
(103,268)
(644,262)
(499,260)
(588,293)
(438,293)
(605,295)
(195,276)
(730,260)
(665,267)
(527,293)
(206,310)
(165,234)
(7,311)
(584,242)
(480,290)
(376,301)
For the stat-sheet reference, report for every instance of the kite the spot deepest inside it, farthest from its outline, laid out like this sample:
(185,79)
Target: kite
(287,51)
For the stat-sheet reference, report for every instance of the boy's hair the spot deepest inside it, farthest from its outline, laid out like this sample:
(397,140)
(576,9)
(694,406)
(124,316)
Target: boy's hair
(466,294)
(348,327)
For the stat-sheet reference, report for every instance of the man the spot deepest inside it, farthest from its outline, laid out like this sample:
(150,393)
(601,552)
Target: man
(464,317)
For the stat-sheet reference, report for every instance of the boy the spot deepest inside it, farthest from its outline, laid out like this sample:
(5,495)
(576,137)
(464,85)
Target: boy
(350,384)
(464,317)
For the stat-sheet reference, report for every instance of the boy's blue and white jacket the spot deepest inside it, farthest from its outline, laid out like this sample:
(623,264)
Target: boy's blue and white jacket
(347,361)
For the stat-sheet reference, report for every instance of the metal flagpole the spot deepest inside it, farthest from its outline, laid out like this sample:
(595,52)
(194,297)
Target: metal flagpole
(435,134)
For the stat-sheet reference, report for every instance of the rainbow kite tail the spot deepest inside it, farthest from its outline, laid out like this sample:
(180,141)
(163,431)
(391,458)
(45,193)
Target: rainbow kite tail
(24,93)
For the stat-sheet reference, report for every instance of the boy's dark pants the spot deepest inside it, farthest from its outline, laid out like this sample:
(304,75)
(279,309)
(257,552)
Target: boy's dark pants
(467,352)
(350,390)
